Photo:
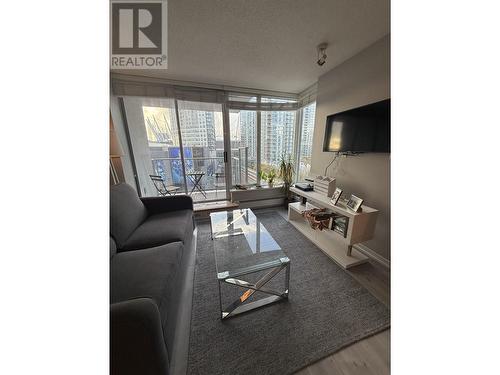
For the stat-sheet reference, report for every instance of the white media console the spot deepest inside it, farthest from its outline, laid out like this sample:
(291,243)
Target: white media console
(339,247)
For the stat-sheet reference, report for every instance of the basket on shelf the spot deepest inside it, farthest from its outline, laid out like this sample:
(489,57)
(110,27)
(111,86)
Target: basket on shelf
(318,218)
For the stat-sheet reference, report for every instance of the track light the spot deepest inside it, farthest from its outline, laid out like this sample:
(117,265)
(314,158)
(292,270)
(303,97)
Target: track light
(322,54)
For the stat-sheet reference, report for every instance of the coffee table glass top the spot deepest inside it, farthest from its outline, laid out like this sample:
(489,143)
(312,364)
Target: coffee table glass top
(242,244)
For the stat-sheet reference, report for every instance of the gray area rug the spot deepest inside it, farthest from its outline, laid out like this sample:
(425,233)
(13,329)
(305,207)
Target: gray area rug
(326,311)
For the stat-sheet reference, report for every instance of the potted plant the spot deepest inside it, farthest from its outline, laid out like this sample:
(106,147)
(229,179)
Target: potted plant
(286,174)
(262,177)
(271,175)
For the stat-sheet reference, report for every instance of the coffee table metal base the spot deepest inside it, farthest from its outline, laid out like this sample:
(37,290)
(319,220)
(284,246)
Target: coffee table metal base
(238,306)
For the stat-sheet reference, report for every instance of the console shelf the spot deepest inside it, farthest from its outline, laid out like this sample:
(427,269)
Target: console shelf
(361,226)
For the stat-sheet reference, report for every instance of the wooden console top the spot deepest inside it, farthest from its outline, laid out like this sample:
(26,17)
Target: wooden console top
(324,201)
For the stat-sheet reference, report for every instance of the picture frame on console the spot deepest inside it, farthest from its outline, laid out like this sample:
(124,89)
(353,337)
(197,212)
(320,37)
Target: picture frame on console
(354,203)
(336,196)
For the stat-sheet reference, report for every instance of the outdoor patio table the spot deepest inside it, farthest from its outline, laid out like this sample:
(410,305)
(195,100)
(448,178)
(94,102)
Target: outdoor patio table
(195,177)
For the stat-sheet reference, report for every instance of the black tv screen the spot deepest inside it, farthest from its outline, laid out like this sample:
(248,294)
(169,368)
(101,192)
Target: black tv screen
(363,129)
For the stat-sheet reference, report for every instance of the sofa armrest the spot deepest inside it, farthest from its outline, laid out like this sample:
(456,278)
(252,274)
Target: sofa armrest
(157,205)
(137,344)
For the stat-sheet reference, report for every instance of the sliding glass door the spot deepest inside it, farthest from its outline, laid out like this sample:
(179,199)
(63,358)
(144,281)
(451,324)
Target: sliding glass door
(202,134)
(154,137)
(183,147)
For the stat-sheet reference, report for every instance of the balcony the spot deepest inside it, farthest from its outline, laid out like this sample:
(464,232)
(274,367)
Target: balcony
(206,180)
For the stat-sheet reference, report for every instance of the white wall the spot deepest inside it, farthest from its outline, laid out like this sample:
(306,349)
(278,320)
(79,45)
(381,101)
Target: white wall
(363,79)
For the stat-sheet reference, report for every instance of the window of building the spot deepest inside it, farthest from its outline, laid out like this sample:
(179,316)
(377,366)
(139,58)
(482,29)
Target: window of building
(308,115)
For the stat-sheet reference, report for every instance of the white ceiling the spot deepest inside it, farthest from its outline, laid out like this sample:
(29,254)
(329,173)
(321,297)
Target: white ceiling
(266,44)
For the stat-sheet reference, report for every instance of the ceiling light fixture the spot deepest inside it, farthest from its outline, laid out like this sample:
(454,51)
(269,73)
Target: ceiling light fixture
(322,54)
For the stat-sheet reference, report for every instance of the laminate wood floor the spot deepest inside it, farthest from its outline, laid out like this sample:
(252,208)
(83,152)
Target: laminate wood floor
(370,356)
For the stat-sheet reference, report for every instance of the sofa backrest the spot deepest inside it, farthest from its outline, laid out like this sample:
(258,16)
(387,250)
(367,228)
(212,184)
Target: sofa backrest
(127,212)
(112,247)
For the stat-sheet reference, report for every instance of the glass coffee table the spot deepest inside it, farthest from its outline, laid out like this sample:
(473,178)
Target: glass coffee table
(243,246)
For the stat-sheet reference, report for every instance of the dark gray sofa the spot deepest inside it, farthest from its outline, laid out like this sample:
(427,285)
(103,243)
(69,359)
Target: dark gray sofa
(152,249)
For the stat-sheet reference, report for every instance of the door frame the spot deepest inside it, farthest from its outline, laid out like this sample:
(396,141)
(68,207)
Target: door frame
(226,131)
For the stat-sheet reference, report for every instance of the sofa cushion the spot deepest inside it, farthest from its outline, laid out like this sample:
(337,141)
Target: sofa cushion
(112,247)
(127,212)
(145,273)
(161,229)
(137,343)
(153,273)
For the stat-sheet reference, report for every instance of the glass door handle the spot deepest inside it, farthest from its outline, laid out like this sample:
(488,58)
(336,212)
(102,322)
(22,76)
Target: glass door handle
(225,156)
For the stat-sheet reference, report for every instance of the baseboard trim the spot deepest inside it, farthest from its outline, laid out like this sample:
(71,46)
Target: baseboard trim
(373,255)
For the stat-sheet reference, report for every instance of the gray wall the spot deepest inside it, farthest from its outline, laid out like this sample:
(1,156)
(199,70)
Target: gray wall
(363,79)
(120,132)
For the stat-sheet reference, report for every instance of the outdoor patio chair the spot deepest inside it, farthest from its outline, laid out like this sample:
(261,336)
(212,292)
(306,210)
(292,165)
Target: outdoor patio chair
(160,186)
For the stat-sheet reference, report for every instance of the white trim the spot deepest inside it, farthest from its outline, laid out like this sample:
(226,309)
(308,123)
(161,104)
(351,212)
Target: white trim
(299,115)
(373,255)
(259,142)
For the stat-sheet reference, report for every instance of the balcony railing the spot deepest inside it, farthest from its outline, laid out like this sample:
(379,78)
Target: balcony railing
(213,179)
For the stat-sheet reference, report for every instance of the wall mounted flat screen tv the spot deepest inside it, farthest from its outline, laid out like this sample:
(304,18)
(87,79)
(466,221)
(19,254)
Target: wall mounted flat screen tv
(362,129)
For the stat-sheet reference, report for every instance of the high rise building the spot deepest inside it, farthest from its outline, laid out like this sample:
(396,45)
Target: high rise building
(248,131)
(198,128)
(278,128)
(307,130)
